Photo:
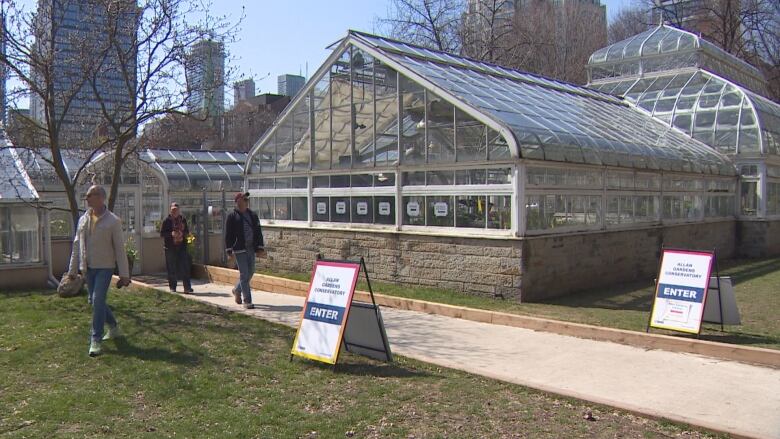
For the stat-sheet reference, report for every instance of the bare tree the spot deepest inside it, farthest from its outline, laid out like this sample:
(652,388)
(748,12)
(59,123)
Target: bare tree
(629,22)
(52,78)
(177,131)
(486,29)
(149,42)
(430,23)
(556,40)
(142,44)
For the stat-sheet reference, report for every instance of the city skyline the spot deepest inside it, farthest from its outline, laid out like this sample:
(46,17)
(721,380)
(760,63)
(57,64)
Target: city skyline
(263,52)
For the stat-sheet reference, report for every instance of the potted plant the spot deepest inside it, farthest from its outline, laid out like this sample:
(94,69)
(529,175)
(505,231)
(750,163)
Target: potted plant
(131,251)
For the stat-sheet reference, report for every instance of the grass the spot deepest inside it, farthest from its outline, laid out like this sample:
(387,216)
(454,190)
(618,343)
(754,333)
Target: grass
(627,306)
(186,369)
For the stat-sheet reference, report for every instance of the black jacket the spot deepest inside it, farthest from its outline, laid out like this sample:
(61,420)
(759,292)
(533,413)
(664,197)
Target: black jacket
(234,232)
(167,228)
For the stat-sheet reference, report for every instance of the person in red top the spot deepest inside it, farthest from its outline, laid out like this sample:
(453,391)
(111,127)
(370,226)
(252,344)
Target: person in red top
(174,232)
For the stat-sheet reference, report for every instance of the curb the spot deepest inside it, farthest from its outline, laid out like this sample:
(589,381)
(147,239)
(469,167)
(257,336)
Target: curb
(743,354)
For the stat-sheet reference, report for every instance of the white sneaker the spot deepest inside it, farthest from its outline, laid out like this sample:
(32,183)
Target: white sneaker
(112,333)
(95,348)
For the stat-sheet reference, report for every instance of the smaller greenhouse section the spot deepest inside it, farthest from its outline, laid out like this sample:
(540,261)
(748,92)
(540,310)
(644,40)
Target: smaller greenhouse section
(149,181)
(24,243)
(691,85)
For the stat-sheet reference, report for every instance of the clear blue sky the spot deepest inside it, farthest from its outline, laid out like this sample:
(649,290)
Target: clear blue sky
(277,37)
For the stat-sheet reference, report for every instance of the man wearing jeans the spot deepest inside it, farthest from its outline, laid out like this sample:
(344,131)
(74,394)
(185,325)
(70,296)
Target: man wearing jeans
(244,240)
(98,248)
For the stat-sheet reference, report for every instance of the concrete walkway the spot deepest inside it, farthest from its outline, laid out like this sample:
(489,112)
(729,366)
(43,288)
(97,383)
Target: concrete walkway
(725,396)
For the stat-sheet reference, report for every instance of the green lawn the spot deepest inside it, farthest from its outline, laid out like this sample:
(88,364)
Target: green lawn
(186,369)
(627,306)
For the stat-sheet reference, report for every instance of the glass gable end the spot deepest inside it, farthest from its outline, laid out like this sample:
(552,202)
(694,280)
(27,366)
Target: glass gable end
(666,48)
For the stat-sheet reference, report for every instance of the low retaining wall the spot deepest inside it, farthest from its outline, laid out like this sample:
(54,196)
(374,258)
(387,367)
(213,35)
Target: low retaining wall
(758,238)
(31,277)
(562,264)
(522,269)
(481,266)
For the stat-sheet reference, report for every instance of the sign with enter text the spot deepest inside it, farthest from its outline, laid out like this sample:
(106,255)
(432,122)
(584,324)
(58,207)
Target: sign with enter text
(681,290)
(325,312)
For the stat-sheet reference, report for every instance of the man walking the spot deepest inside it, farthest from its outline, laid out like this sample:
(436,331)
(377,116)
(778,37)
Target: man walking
(244,240)
(174,231)
(98,248)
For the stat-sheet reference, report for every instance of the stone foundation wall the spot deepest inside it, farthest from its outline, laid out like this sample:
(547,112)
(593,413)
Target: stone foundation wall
(558,265)
(528,269)
(759,238)
(482,266)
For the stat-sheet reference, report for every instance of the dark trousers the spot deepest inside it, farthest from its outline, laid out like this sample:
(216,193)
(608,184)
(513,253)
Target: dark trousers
(177,262)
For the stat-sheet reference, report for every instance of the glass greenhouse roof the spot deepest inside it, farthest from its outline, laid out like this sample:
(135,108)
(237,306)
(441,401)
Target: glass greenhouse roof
(708,108)
(38,166)
(15,184)
(667,48)
(197,165)
(553,120)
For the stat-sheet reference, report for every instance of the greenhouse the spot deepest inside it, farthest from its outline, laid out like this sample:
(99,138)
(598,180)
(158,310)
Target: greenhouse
(149,181)
(706,93)
(393,142)
(24,244)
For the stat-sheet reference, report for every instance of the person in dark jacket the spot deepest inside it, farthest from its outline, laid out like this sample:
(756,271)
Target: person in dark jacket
(244,241)
(174,232)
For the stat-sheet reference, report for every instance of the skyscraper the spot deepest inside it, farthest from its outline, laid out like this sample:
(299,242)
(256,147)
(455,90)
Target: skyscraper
(290,85)
(205,71)
(243,90)
(72,34)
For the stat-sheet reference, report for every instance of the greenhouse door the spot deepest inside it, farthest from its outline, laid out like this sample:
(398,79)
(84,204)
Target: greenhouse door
(127,207)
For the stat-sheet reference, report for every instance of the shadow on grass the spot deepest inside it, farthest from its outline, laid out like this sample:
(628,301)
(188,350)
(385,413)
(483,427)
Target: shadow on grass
(127,349)
(377,370)
(633,296)
(744,270)
(741,338)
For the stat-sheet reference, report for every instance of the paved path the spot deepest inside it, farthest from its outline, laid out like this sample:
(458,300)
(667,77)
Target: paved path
(722,395)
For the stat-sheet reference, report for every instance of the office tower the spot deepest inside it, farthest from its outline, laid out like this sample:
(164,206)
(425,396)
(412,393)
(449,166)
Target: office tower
(243,90)
(290,85)
(79,33)
(205,70)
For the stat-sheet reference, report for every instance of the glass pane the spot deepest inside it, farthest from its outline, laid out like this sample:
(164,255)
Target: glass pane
(470,176)
(471,138)
(299,209)
(364,134)
(320,209)
(384,210)
(440,178)
(440,211)
(499,212)
(362,210)
(414,178)
(749,198)
(282,209)
(441,132)
(414,211)
(387,131)
(322,139)
(362,180)
(265,209)
(340,209)
(342,131)
(471,211)
(301,140)
(413,134)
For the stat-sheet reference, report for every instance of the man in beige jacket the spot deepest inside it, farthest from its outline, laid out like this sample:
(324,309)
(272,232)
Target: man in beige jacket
(98,248)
